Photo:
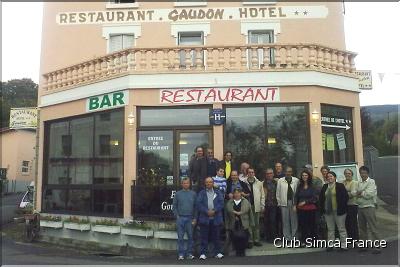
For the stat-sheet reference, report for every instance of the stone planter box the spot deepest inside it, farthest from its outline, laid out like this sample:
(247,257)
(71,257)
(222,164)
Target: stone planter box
(138,232)
(167,235)
(77,226)
(114,229)
(51,224)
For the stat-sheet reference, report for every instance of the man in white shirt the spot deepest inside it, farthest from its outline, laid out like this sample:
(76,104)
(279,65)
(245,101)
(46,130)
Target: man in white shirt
(366,200)
(285,193)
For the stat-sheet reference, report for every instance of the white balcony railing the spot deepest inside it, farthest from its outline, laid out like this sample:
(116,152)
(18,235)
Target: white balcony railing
(266,57)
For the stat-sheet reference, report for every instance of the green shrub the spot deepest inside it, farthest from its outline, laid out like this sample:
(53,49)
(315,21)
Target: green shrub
(50,218)
(74,219)
(136,225)
(106,222)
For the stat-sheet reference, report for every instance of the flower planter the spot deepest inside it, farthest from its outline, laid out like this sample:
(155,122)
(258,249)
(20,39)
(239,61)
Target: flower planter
(167,235)
(77,226)
(138,232)
(109,229)
(51,224)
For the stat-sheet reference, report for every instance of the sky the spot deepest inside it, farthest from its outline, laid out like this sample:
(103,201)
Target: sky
(370,31)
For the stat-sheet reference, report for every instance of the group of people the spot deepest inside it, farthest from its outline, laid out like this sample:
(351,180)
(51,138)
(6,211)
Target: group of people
(236,203)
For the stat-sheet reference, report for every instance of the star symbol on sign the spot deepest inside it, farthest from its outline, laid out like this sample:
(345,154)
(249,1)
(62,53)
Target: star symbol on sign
(296,12)
(305,12)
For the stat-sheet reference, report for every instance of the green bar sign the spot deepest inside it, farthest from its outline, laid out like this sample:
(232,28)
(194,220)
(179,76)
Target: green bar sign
(107,101)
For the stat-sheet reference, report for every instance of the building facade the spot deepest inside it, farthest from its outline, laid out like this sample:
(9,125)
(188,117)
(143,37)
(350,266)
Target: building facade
(129,89)
(18,159)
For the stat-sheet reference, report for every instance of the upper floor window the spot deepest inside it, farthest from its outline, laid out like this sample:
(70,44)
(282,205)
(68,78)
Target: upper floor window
(121,41)
(261,37)
(190,38)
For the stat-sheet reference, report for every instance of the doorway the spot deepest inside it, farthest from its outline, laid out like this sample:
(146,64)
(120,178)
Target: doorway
(187,141)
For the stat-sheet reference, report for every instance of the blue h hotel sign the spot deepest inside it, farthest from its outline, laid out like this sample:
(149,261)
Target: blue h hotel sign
(217,116)
(107,101)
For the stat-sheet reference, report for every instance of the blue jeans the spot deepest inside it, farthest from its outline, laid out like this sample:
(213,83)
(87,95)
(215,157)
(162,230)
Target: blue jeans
(184,225)
(210,231)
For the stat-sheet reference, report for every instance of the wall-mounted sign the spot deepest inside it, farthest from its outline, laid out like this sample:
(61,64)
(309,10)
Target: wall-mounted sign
(217,116)
(219,95)
(335,122)
(23,118)
(192,14)
(364,79)
(107,101)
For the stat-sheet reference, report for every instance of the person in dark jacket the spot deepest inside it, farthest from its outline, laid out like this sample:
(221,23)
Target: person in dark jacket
(333,204)
(198,168)
(232,183)
(271,218)
(228,164)
(212,163)
(305,201)
(210,205)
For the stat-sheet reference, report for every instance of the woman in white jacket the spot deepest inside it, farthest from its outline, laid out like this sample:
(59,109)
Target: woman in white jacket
(285,194)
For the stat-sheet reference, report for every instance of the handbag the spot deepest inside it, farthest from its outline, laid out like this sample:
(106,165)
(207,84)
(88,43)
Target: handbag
(240,237)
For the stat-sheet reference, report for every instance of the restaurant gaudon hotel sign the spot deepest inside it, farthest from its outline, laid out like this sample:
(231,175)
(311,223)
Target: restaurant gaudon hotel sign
(220,95)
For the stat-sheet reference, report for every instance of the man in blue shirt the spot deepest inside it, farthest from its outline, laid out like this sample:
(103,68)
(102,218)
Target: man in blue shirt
(184,208)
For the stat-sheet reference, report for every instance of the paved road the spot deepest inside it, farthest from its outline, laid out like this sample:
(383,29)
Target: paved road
(9,204)
(21,253)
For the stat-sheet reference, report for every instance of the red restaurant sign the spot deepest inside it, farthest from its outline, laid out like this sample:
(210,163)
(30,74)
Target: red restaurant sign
(219,95)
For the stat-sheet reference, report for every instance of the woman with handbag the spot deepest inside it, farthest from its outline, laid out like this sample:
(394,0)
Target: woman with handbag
(238,220)
(305,204)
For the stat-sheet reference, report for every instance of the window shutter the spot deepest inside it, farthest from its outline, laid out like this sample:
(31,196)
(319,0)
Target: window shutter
(115,43)
(128,41)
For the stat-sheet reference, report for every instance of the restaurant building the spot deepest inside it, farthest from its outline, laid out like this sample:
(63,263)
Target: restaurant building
(129,89)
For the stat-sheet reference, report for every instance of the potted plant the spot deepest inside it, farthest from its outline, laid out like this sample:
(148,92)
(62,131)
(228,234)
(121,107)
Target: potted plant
(75,223)
(50,221)
(136,228)
(106,226)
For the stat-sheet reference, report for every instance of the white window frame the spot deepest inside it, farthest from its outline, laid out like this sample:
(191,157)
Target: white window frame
(189,3)
(112,5)
(247,27)
(202,37)
(132,29)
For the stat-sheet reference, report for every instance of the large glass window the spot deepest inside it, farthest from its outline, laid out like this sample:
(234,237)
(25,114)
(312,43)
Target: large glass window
(287,136)
(84,156)
(264,135)
(337,134)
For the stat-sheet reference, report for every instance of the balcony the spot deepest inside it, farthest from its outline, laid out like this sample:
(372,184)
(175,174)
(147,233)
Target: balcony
(202,59)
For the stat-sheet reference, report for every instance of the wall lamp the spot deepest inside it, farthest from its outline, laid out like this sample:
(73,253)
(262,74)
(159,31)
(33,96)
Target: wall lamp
(315,116)
(131,119)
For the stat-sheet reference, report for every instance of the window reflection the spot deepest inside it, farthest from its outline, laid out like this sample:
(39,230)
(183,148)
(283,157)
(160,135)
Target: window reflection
(84,151)
(262,136)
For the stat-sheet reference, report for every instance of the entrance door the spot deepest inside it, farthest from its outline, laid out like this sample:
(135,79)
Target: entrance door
(187,141)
